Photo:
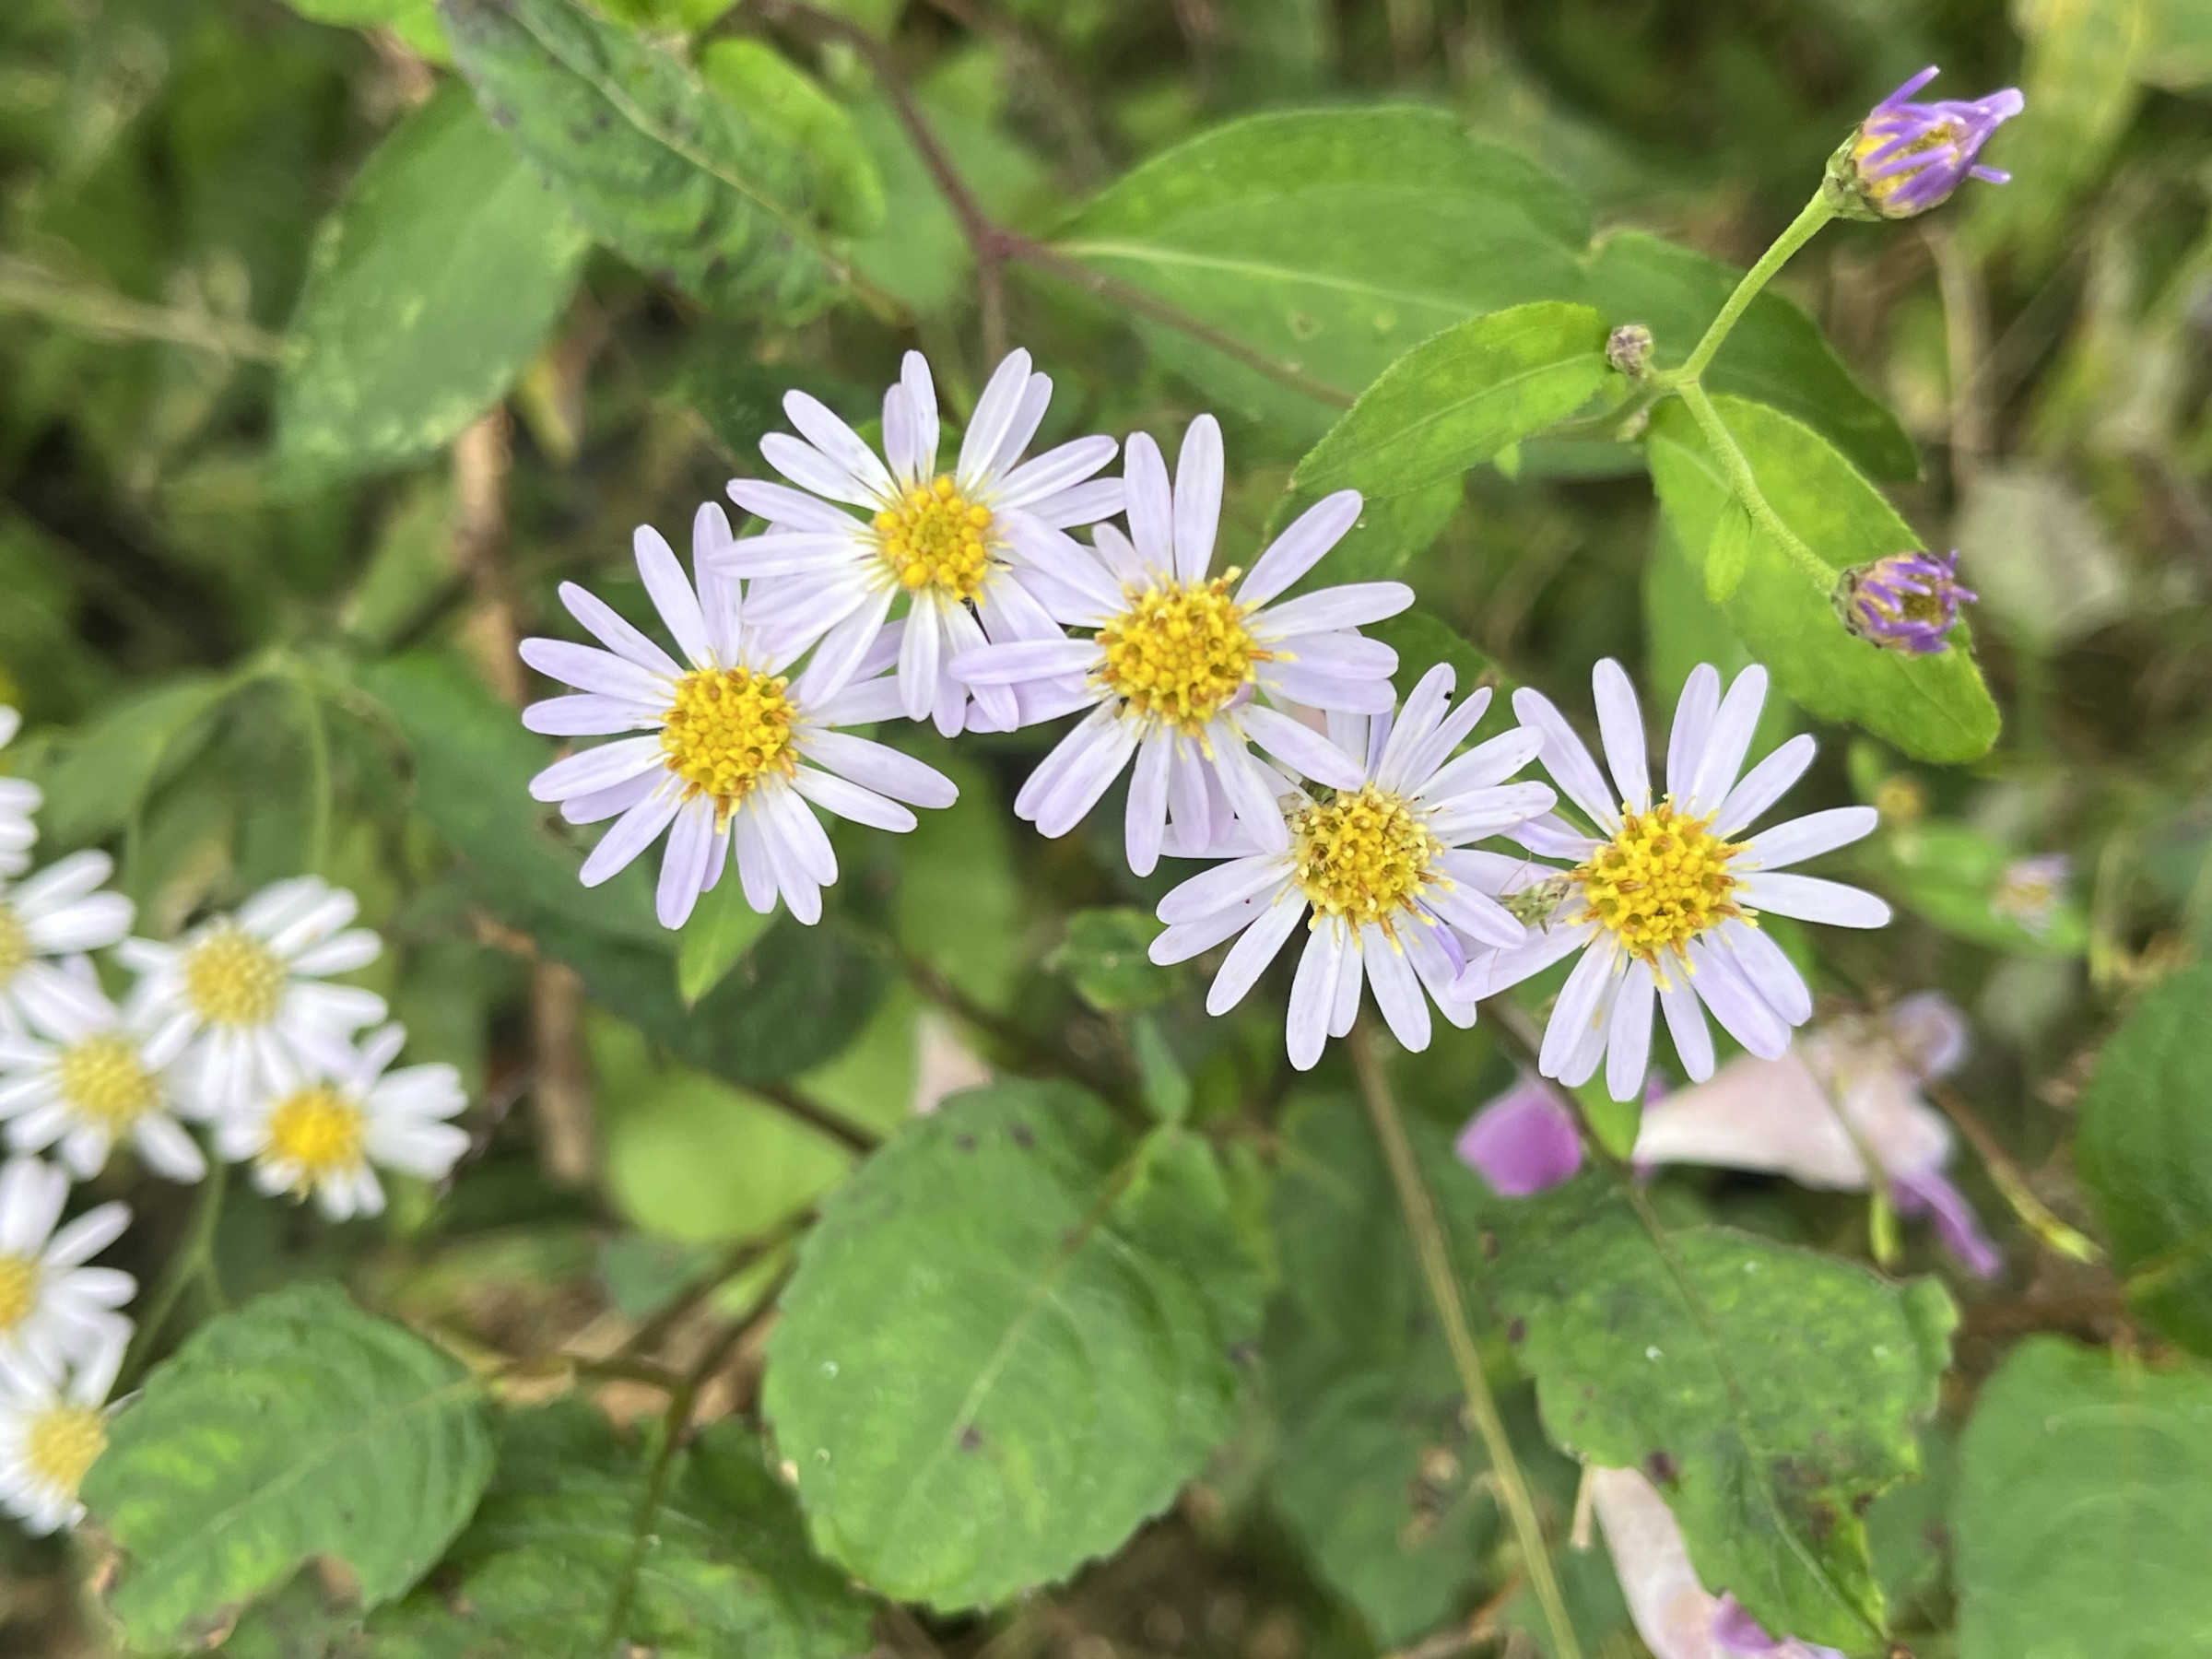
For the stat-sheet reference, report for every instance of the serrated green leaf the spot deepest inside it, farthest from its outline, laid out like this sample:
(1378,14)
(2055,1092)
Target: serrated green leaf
(651,162)
(1331,242)
(785,100)
(1933,707)
(574,1555)
(723,927)
(298,1425)
(1769,1392)
(2146,1152)
(2084,1501)
(430,287)
(1007,1344)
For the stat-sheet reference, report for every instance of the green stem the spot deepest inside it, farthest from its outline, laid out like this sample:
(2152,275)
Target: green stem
(194,1258)
(1801,230)
(1741,479)
(1435,1260)
(321,803)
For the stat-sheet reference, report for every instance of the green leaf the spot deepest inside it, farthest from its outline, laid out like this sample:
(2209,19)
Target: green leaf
(1330,241)
(1682,627)
(106,770)
(687,187)
(1933,707)
(1422,641)
(2085,1498)
(1729,555)
(414,21)
(2146,1154)
(1950,873)
(1104,954)
(721,929)
(576,1554)
(784,101)
(958,906)
(1770,1392)
(1775,355)
(298,1425)
(1007,1344)
(430,287)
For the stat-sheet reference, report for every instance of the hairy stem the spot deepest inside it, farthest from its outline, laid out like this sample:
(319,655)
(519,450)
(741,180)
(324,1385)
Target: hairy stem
(1801,230)
(1746,484)
(1429,1249)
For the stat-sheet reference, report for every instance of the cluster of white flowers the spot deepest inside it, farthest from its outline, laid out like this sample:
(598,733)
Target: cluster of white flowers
(234,1028)
(1262,733)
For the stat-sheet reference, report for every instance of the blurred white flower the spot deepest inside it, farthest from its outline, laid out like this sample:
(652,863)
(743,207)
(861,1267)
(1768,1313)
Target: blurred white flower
(734,749)
(243,994)
(55,915)
(85,1076)
(1382,868)
(326,1134)
(19,800)
(52,1430)
(1170,674)
(2030,890)
(957,545)
(54,1311)
(1663,901)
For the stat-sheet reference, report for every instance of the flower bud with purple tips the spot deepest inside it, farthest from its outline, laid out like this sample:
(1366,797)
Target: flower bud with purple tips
(1906,602)
(1906,157)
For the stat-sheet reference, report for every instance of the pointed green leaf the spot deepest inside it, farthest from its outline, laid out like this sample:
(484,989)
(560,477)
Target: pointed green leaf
(1729,555)
(721,929)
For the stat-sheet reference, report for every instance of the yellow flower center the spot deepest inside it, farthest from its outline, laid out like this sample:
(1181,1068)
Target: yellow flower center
(232,979)
(104,1080)
(64,1441)
(320,1130)
(18,1290)
(15,944)
(936,537)
(1661,882)
(1178,653)
(1942,135)
(1363,855)
(726,728)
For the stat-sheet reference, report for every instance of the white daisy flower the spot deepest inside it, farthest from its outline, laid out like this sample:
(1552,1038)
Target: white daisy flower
(54,1309)
(734,749)
(955,543)
(86,1078)
(56,914)
(1665,896)
(19,800)
(1383,867)
(1171,672)
(51,1430)
(326,1134)
(245,993)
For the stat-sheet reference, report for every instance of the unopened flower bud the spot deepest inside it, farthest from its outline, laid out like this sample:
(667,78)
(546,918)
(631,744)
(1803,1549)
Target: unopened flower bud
(1906,602)
(1629,350)
(1906,157)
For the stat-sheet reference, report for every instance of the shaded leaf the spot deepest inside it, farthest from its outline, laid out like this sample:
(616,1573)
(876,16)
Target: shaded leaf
(785,100)
(1951,873)
(108,768)
(1422,641)
(1104,956)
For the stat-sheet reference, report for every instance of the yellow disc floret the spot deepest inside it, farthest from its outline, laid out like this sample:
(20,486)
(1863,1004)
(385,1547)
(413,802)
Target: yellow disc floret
(936,537)
(320,1130)
(1363,855)
(232,979)
(725,731)
(103,1079)
(1659,882)
(62,1442)
(18,1290)
(1178,653)
(15,944)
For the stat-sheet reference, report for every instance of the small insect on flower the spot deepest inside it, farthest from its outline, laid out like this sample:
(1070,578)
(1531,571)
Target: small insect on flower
(53,1428)
(56,914)
(249,991)
(18,801)
(54,1309)
(1906,157)
(325,1133)
(1170,674)
(953,545)
(1904,602)
(1663,899)
(1382,868)
(733,748)
(85,1076)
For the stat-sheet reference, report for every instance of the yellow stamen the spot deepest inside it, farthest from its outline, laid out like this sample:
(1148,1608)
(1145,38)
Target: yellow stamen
(1661,882)
(936,537)
(64,1441)
(1942,135)
(15,944)
(103,1079)
(320,1130)
(1178,653)
(18,1290)
(1364,857)
(727,729)
(231,978)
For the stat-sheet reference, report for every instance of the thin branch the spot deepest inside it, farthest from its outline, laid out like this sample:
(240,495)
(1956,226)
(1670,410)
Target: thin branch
(1065,100)
(194,1258)
(2009,1179)
(854,1138)
(1435,1260)
(26,286)
(727,1267)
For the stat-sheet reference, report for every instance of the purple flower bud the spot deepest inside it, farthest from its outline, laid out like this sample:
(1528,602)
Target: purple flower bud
(1906,602)
(1523,1141)
(1906,158)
